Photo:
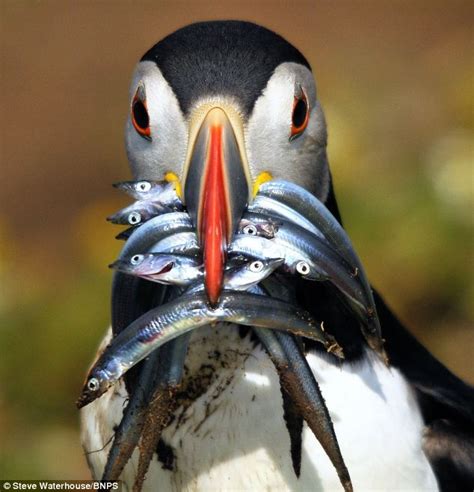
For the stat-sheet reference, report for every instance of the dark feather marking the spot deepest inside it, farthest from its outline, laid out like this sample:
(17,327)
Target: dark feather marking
(450,449)
(165,455)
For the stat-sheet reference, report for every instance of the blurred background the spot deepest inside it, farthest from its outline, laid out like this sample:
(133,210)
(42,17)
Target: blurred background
(397,83)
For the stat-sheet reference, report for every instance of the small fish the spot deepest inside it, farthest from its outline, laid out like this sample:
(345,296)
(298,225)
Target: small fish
(139,212)
(187,313)
(163,402)
(297,378)
(312,211)
(162,192)
(269,206)
(141,241)
(185,243)
(296,262)
(265,228)
(313,215)
(126,233)
(169,269)
(244,277)
(311,257)
(162,371)
(251,273)
(128,432)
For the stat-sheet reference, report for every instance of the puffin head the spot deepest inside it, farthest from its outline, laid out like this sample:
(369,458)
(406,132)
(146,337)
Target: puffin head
(218,108)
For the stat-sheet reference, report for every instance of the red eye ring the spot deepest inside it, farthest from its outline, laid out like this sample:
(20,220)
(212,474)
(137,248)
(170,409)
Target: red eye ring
(139,115)
(299,115)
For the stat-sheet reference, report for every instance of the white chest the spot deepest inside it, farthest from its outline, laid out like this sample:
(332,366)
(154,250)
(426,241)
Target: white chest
(233,436)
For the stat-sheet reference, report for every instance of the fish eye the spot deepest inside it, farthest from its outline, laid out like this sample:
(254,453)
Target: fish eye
(256,266)
(136,259)
(302,268)
(143,186)
(300,115)
(140,117)
(93,384)
(134,218)
(250,229)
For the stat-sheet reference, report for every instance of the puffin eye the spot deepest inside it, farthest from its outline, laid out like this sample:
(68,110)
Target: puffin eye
(140,118)
(143,186)
(256,266)
(136,259)
(300,115)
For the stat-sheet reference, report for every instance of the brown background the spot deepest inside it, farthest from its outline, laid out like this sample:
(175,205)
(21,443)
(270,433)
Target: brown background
(396,82)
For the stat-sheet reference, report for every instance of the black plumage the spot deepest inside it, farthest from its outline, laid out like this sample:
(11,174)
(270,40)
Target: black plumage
(224,58)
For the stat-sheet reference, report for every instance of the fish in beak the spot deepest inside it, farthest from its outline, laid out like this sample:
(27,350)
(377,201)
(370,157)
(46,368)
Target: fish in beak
(216,192)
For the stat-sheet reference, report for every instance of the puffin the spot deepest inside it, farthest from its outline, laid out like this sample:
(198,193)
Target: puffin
(407,425)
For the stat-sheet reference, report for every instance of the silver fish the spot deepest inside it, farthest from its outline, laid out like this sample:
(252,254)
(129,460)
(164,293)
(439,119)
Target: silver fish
(187,313)
(139,212)
(163,401)
(160,191)
(266,228)
(311,257)
(141,241)
(298,380)
(244,277)
(185,243)
(271,207)
(170,269)
(296,261)
(161,371)
(313,211)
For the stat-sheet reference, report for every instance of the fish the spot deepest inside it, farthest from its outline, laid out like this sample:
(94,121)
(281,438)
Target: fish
(170,269)
(260,248)
(126,233)
(311,211)
(128,432)
(185,243)
(298,380)
(243,277)
(161,373)
(251,273)
(274,209)
(315,259)
(266,229)
(163,192)
(142,241)
(139,212)
(152,198)
(162,402)
(290,235)
(166,322)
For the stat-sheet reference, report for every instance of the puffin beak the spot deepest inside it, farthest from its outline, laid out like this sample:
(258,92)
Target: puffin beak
(216,192)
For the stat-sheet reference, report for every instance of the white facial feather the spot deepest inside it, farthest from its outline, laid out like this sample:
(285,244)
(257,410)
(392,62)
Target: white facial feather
(169,132)
(269,148)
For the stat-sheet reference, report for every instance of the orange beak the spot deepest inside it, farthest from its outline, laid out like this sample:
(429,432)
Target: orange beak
(215,193)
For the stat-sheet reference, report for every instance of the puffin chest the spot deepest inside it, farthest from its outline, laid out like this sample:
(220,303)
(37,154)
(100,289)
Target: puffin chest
(229,431)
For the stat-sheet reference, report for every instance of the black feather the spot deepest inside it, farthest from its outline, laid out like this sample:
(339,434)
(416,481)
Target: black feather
(225,58)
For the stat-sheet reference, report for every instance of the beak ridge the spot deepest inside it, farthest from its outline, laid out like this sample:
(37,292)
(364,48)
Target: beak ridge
(216,193)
